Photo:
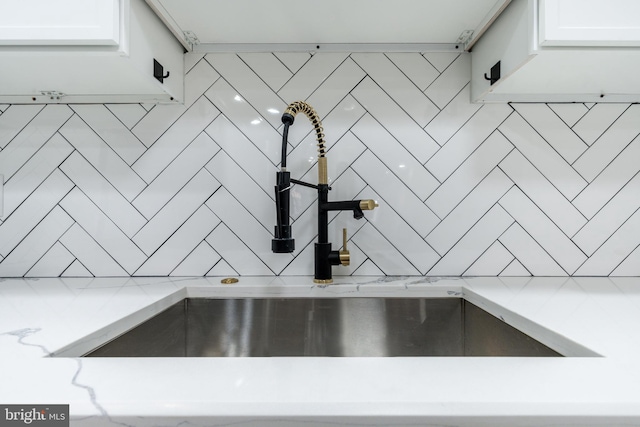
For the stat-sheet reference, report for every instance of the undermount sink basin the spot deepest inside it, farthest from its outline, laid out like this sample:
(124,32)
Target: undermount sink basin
(346,327)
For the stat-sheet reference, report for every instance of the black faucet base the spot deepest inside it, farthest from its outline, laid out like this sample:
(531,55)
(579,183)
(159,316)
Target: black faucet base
(325,258)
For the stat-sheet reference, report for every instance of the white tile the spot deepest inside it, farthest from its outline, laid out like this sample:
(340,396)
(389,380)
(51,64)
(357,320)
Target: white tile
(237,146)
(542,193)
(128,114)
(308,78)
(368,268)
(333,90)
(103,194)
(543,157)
(236,254)
(90,254)
(36,207)
(610,144)
(607,184)
(268,67)
(176,175)
(222,269)
(185,130)
(597,120)
(400,234)
(529,253)
(400,161)
(545,232)
(198,262)
(553,130)
(397,195)
(515,269)
(452,117)
(630,267)
(32,138)
(53,263)
(415,67)
(3,107)
(244,189)
(471,172)
(466,140)
(302,159)
(250,87)
(302,264)
(176,212)
(197,81)
(441,60)
(397,86)
(177,247)
(243,116)
(34,172)
(469,211)
(570,113)
(76,269)
(103,158)
(43,236)
(349,186)
(340,158)
(609,218)
(382,253)
(156,122)
(191,59)
(14,119)
(338,122)
(451,81)
(293,60)
(614,251)
(247,228)
(103,230)
(473,244)
(109,128)
(492,262)
(395,120)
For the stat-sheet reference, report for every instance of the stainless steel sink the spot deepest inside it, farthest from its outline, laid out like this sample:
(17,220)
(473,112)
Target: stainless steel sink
(345,327)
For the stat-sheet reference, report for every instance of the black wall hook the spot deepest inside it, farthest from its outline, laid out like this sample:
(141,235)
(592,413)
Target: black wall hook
(158,71)
(495,73)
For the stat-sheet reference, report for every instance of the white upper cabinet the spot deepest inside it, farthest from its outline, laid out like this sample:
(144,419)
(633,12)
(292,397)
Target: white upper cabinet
(60,22)
(560,51)
(589,23)
(229,24)
(75,51)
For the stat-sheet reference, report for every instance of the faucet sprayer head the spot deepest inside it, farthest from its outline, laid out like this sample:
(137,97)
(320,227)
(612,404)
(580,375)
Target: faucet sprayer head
(287,119)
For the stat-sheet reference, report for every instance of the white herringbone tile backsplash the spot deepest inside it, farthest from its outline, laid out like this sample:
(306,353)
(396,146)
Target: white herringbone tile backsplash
(187,190)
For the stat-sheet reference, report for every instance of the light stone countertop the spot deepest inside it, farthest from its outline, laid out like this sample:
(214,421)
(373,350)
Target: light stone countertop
(596,321)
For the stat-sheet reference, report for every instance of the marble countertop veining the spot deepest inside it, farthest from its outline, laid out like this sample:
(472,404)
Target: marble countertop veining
(46,323)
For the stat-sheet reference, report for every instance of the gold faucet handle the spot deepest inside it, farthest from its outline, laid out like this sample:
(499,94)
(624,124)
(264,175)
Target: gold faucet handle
(345,257)
(368,205)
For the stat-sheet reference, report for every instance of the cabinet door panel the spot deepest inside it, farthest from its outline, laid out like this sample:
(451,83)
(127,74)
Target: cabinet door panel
(60,22)
(589,23)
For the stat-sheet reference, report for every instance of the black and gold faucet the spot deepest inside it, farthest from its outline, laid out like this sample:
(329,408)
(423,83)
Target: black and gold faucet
(283,241)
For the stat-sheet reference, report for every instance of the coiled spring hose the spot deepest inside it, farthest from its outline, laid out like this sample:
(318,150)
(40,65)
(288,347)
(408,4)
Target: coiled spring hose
(287,118)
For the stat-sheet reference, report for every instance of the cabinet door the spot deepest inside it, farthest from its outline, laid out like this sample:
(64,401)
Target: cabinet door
(59,22)
(589,22)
